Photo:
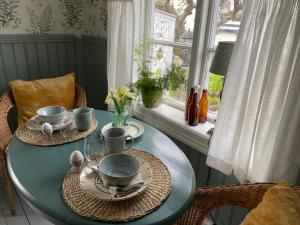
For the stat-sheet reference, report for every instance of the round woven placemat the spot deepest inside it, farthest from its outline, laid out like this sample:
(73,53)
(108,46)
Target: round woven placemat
(37,138)
(121,211)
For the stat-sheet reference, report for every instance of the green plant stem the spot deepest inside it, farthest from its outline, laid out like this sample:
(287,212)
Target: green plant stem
(120,106)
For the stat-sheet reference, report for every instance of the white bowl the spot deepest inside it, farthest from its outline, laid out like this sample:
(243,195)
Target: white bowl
(119,169)
(51,114)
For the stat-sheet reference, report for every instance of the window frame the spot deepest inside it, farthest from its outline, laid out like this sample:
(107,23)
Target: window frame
(202,48)
(170,101)
(169,117)
(204,27)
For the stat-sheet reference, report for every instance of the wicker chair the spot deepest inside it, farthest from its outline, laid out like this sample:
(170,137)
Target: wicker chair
(6,103)
(209,198)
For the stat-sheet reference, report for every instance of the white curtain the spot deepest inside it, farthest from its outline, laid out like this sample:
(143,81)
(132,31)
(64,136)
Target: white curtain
(129,22)
(120,37)
(143,13)
(257,134)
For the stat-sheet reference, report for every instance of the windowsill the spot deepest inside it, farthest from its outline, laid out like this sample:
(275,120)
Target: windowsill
(171,121)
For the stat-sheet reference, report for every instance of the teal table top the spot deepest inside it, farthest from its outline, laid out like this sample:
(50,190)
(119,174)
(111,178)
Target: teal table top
(37,173)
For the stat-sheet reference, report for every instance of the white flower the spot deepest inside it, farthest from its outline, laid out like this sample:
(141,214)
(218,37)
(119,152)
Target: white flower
(109,97)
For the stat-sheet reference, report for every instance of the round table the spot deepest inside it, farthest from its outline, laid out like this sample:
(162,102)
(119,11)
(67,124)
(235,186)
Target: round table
(38,172)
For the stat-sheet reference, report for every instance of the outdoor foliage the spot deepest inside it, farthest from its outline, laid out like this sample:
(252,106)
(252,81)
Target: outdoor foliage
(181,11)
(215,86)
(73,10)
(40,24)
(176,77)
(9,14)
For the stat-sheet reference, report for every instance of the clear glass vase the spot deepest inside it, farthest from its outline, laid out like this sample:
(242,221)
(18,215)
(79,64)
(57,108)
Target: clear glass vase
(120,119)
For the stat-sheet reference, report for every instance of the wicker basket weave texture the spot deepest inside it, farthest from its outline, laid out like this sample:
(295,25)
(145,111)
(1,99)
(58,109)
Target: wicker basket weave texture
(209,198)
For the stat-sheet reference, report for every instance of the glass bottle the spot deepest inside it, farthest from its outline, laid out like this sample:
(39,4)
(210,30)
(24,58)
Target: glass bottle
(189,102)
(193,110)
(203,107)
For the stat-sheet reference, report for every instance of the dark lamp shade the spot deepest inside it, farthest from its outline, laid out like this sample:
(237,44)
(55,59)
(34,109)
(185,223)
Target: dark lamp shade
(221,58)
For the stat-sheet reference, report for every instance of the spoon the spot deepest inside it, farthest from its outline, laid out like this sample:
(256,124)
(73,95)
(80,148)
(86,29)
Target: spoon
(95,169)
(120,191)
(123,191)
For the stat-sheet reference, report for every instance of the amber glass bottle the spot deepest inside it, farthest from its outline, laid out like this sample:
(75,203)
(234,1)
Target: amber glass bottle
(203,107)
(189,102)
(193,110)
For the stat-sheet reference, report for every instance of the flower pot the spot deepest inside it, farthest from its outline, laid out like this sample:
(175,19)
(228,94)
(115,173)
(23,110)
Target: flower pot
(152,98)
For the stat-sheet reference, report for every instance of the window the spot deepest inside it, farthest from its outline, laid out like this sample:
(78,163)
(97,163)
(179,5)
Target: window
(174,25)
(172,39)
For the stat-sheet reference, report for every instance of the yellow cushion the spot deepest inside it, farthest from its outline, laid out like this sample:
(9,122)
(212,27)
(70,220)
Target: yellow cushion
(32,95)
(280,206)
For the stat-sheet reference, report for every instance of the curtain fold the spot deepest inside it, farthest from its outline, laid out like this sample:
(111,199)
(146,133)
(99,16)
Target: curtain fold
(129,23)
(143,14)
(259,119)
(120,37)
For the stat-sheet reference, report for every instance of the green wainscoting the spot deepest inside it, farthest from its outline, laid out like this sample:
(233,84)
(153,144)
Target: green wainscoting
(29,57)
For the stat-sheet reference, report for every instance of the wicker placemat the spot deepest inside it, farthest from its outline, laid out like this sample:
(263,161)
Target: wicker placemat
(37,138)
(121,211)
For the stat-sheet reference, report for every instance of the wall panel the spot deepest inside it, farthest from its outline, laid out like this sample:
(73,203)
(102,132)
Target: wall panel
(3,74)
(30,57)
(94,58)
(9,61)
(43,57)
(21,61)
(32,60)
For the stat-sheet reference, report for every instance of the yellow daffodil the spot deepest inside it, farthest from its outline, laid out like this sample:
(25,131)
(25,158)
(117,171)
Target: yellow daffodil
(123,92)
(119,98)
(130,95)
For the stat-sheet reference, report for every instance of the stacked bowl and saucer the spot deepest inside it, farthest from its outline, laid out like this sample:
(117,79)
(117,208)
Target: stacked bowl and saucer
(57,118)
(116,175)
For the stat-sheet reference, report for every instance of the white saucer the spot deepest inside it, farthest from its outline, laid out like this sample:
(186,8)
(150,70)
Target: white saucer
(93,185)
(35,123)
(133,129)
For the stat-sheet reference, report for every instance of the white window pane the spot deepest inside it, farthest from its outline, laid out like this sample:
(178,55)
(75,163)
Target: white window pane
(226,28)
(229,19)
(167,56)
(174,20)
(174,23)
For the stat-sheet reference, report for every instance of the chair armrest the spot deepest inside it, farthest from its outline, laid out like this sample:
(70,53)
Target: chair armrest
(6,103)
(209,198)
(80,98)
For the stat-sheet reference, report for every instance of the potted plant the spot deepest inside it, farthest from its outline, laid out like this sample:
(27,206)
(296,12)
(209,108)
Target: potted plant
(153,83)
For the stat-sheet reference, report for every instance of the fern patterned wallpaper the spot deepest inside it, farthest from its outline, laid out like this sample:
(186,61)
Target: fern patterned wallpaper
(77,17)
